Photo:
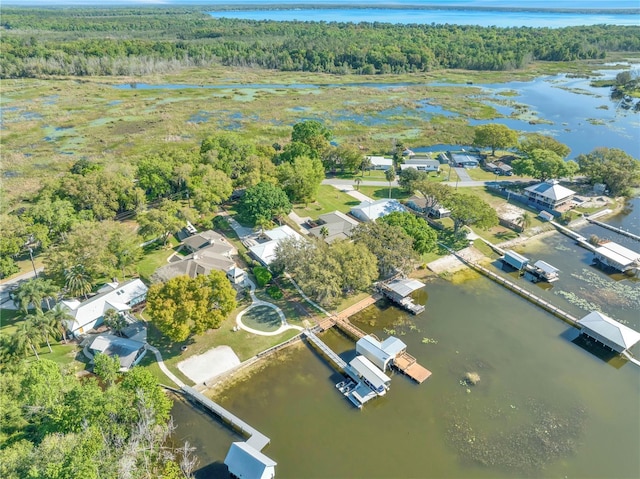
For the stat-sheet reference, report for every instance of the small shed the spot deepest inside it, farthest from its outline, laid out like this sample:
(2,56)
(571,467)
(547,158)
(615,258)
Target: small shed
(609,332)
(246,462)
(514,259)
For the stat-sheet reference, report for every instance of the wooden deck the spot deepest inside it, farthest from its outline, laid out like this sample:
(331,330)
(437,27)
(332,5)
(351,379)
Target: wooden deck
(408,365)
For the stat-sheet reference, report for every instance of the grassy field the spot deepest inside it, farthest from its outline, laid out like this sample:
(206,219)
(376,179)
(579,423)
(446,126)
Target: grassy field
(328,199)
(381,192)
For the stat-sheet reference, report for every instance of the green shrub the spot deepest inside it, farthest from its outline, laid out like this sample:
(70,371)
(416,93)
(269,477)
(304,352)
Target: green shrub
(274,292)
(262,274)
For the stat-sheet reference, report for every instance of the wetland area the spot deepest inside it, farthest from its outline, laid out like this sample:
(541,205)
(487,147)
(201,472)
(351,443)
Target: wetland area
(547,404)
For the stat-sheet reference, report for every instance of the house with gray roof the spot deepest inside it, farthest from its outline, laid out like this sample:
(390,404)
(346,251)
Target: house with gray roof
(336,225)
(372,210)
(128,351)
(204,239)
(246,462)
(549,194)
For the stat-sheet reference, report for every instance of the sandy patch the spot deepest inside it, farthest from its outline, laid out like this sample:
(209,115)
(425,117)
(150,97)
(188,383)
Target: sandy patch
(509,212)
(210,364)
(452,264)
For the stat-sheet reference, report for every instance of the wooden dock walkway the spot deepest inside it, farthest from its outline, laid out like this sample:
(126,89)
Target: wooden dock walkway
(325,350)
(572,320)
(613,228)
(257,440)
(408,365)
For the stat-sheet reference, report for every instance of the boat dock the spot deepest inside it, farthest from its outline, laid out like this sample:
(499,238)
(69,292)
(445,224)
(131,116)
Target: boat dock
(256,440)
(572,320)
(408,365)
(399,291)
(613,228)
(325,351)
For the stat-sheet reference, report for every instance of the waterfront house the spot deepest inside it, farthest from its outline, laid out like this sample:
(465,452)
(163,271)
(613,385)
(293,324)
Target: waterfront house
(335,225)
(549,194)
(421,164)
(128,351)
(89,314)
(380,163)
(382,354)
(265,249)
(609,332)
(246,462)
(371,211)
(617,257)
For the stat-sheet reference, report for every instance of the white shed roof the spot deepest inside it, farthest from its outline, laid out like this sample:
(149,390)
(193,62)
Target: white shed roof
(612,330)
(381,161)
(546,267)
(246,462)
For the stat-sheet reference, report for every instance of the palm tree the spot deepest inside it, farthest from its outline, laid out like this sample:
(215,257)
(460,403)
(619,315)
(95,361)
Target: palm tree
(25,337)
(390,175)
(34,291)
(77,281)
(324,232)
(357,181)
(114,320)
(58,317)
(43,325)
(524,221)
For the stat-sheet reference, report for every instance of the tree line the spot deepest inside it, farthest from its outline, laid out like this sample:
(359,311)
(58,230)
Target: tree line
(40,42)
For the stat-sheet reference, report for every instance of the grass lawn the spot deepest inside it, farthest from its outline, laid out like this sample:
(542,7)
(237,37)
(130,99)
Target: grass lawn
(371,175)
(328,199)
(156,255)
(382,192)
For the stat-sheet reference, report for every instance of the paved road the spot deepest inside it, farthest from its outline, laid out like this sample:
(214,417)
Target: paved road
(10,284)
(348,184)
(462,174)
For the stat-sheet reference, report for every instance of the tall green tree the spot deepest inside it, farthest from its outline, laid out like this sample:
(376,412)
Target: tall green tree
(34,291)
(183,307)
(536,141)
(409,177)
(208,188)
(27,337)
(59,317)
(43,325)
(392,247)
(494,135)
(263,201)
(78,281)
(159,223)
(390,175)
(312,133)
(424,237)
(301,179)
(106,367)
(114,321)
(613,167)
(467,210)
(543,165)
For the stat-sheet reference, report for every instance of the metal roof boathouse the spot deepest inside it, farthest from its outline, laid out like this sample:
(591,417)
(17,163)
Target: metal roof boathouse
(609,332)
(618,257)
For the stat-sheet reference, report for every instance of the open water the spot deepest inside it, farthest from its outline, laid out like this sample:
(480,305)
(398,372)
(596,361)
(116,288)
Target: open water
(547,404)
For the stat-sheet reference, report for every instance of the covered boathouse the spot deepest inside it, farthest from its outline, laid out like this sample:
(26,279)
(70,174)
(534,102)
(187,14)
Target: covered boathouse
(246,462)
(399,291)
(609,332)
(617,257)
(380,353)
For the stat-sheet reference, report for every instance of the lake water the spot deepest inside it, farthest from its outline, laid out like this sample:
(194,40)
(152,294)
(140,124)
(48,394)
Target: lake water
(441,16)
(545,406)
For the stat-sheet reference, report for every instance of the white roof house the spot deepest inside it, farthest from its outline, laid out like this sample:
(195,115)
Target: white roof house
(380,353)
(246,462)
(421,164)
(129,351)
(265,252)
(617,256)
(337,224)
(371,211)
(360,368)
(608,331)
(549,194)
(380,162)
(90,313)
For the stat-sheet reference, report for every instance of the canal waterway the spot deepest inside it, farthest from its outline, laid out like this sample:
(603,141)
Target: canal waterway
(547,404)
